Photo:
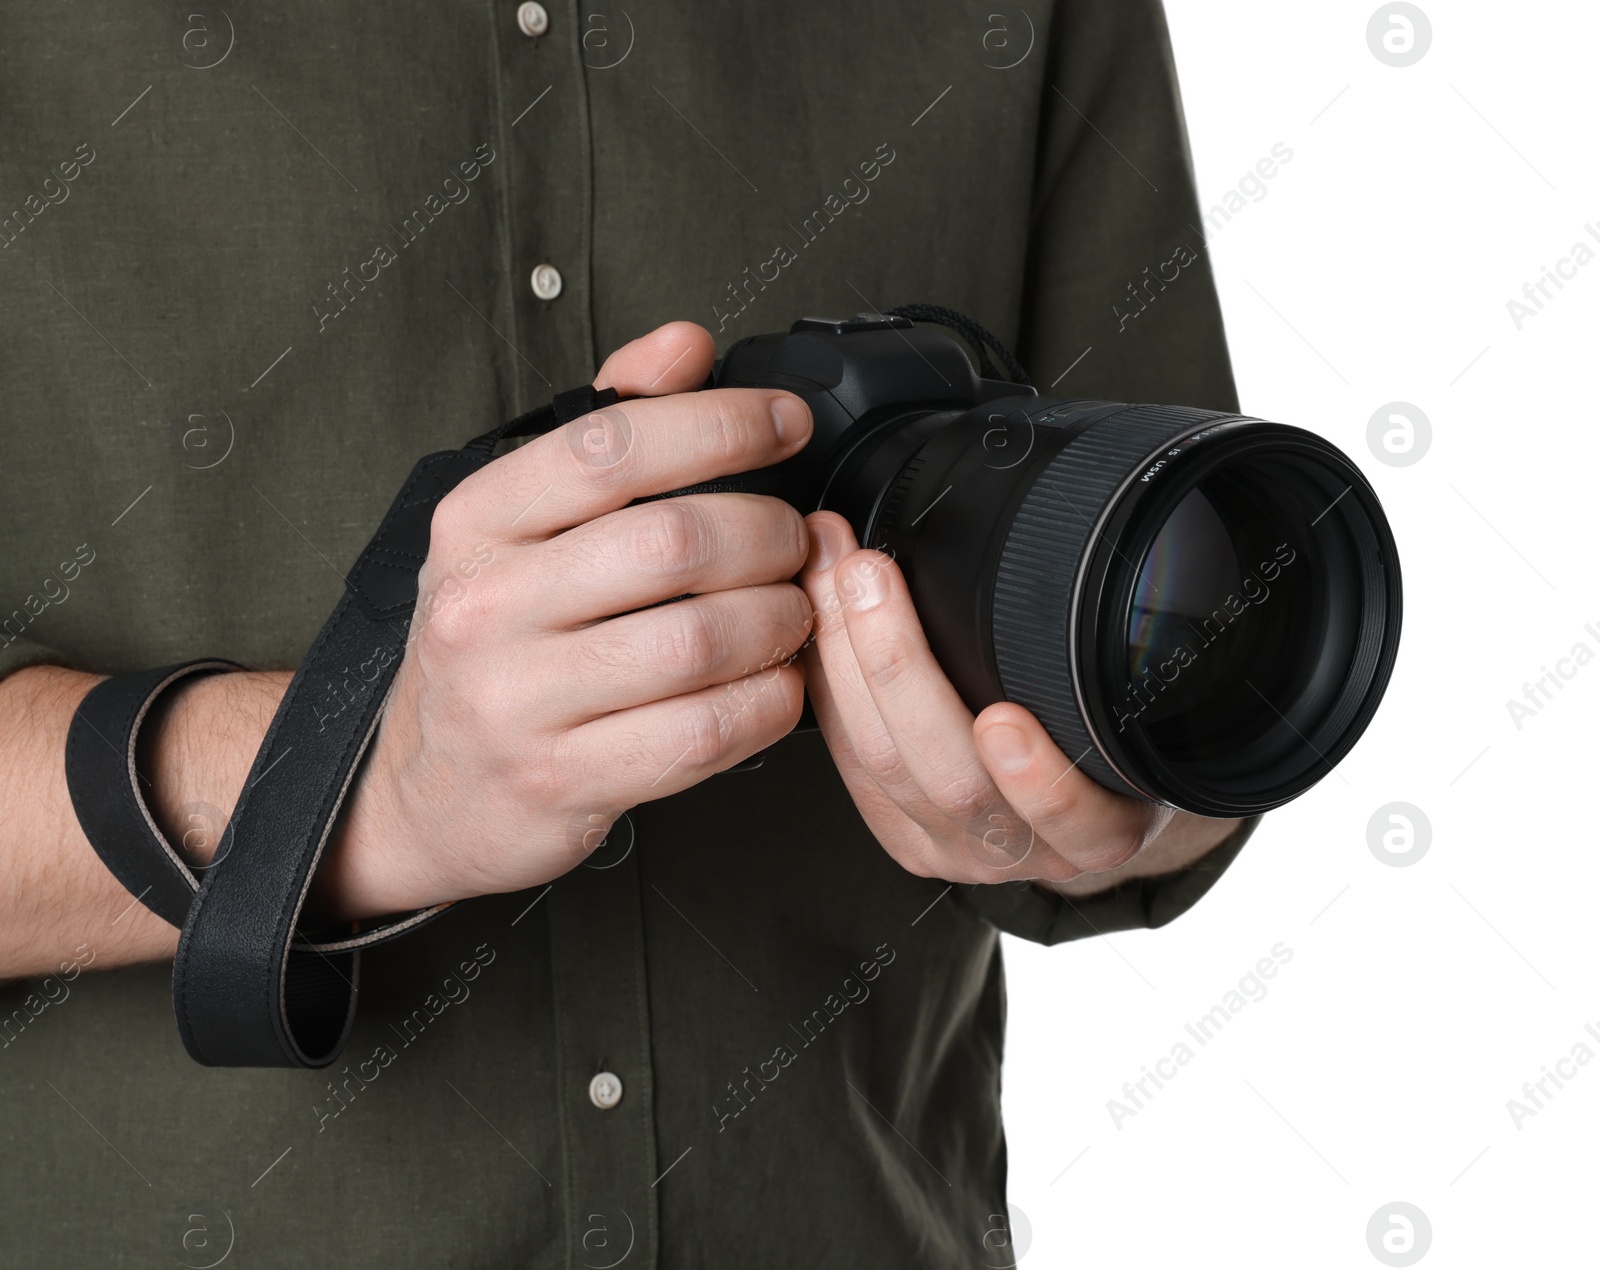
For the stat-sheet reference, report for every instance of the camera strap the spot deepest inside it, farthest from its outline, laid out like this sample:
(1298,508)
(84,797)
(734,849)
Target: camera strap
(251,986)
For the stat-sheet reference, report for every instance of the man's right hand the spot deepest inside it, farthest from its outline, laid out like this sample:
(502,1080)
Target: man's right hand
(546,688)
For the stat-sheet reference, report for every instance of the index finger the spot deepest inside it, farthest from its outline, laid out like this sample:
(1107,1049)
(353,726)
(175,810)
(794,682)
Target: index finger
(605,460)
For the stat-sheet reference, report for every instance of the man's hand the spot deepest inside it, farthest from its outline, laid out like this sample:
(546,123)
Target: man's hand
(544,690)
(990,799)
(547,688)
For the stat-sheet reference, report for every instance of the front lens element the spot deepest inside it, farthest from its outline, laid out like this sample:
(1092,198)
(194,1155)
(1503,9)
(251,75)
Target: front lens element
(1260,611)
(1202,609)
(1189,568)
(1222,616)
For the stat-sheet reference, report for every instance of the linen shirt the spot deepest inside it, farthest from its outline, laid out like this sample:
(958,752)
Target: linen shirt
(254,261)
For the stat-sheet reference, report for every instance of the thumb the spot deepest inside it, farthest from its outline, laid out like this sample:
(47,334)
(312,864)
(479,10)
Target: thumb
(673,358)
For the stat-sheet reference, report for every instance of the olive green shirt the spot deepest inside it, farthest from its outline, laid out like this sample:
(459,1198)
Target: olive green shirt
(257,259)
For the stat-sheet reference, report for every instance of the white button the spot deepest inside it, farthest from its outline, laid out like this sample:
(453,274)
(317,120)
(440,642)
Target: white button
(605,1090)
(533,19)
(546,281)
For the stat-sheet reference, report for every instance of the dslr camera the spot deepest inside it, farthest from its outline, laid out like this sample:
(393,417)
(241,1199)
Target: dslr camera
(1203,609)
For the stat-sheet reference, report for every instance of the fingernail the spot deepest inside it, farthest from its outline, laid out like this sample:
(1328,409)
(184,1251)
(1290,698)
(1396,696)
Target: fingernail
(865,586)
(790,418)
(824,547)
(1008,747)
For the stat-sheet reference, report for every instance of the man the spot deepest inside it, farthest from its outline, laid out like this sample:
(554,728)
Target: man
(260,262)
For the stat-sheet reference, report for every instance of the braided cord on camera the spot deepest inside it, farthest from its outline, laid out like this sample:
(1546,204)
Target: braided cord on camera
(976,335)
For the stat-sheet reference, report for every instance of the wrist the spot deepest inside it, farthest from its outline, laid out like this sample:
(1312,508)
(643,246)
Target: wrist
(361,874)
(1182,843)
(195,753)
(369,867)
(195,750)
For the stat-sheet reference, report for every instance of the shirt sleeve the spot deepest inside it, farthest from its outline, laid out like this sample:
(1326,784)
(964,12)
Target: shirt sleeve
(1120,304)
(1027,911)
(16,653)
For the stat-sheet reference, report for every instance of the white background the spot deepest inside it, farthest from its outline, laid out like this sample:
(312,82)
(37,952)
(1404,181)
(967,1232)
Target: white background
(1420,998)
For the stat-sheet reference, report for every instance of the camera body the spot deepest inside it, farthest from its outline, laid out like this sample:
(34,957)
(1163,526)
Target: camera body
(880,391)
(856,375)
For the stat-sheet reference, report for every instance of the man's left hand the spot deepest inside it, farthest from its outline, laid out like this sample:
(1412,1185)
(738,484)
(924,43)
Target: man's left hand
(985,799)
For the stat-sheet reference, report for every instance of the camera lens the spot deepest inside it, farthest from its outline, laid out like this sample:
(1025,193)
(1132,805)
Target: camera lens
(1203,609)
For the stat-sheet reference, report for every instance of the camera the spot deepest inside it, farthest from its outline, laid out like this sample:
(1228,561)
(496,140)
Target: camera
(1203,609)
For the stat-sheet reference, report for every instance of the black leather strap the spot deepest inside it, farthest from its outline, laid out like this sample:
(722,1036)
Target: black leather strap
(108,795)
(250,988)
(108,792)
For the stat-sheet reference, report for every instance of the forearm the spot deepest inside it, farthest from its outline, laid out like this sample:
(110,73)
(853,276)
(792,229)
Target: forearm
(1182,843)
(56,898)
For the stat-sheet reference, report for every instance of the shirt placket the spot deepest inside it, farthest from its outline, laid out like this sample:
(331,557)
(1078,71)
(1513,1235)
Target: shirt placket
(542,287)
(605,1084)
(595,915)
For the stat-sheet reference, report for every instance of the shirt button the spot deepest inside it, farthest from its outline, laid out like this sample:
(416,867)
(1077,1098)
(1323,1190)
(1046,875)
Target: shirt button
(605,1090)
(533,19)
(546,281)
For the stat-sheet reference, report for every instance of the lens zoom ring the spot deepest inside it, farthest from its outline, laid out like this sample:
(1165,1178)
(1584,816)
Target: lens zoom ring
(1045,548)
